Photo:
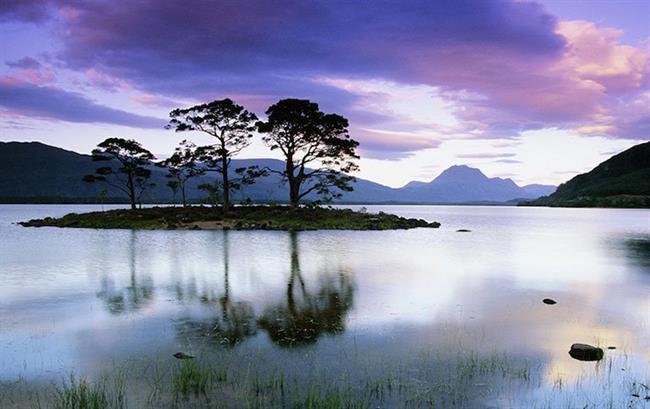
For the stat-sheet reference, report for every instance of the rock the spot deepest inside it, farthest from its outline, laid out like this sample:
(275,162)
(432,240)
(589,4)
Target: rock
(182,355)
(611,347)
(549,301)
(585,352)
(435,225)
(463,231)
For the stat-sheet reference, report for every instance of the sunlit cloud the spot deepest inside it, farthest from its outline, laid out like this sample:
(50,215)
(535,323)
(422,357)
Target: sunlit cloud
(424,86)
(28,99)
(568,152)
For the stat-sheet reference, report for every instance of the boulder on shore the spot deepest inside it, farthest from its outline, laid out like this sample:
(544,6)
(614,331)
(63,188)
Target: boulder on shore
(585,352)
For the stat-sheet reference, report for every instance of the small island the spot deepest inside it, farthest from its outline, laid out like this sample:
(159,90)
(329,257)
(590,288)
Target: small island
(236,218)
(319,156)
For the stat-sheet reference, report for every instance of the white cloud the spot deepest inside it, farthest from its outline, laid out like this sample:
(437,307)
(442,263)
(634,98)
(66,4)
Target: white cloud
(548,156)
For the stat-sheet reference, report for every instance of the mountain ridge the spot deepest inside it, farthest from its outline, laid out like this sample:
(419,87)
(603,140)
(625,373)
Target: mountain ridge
(55,176)
(621,181)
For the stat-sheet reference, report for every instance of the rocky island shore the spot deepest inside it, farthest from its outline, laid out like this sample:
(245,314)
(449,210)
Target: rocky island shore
(237,218)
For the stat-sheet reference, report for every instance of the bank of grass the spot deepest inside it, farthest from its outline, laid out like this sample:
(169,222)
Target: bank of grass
(238,218)
(423,380)
(83,394)
(209,383)
(615,201)
(193,380)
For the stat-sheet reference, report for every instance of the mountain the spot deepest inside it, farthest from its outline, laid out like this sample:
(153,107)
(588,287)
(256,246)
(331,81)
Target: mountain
(621,181)
(461,184)
(33,169)
(536,190)
(35,172)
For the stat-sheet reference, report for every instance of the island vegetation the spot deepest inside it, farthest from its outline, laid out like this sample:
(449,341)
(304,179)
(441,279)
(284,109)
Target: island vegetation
(318,153)
(238,218)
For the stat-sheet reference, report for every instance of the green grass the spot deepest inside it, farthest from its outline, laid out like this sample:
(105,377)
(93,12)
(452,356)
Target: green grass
(316,399)
(420,380)
(192,379)
(81,394)
(230,383)
(240,218)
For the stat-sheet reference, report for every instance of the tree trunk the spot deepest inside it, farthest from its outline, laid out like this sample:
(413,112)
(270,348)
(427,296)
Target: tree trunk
(131,191)
(294,184)
(294,188)
(226,183)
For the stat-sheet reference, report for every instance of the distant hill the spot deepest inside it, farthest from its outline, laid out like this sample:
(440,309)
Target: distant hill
(460,184)
(28,170)
(621,181)
(33,172)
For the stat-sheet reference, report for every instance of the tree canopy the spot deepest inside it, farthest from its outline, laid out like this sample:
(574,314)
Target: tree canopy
(184,164)
(231,124)
(126,168)
(317,148)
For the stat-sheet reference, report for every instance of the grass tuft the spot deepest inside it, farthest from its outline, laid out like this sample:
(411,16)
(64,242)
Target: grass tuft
(192,379)
(81,394)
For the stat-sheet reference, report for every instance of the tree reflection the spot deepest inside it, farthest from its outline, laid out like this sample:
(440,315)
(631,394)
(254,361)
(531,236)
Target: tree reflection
(638,250)
(306,316)
(133,297)
(234,321)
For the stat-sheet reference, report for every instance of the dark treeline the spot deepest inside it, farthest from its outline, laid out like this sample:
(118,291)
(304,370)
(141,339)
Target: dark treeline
(316,147)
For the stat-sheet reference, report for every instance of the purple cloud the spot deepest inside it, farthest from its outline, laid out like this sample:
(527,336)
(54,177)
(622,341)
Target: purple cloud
(28,63)
(527,69)
(637,128)
(23,98)
(24,10)
(256,47)
(485,155)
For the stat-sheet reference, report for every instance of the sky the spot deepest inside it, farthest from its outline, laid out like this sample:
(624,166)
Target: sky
(533,91)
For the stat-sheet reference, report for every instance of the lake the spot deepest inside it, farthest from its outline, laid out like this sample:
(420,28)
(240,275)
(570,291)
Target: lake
(413,318)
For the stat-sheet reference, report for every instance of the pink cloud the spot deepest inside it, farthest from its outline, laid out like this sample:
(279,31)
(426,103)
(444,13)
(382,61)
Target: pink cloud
(578,88)
(41,76)
(594,54)
(383,144)
(152,100)
(503,67)
(102,80)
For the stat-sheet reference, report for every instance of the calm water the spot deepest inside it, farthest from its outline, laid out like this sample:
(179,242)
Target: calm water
(83,300)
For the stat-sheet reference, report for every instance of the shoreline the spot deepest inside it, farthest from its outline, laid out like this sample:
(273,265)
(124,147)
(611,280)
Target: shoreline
(238,218)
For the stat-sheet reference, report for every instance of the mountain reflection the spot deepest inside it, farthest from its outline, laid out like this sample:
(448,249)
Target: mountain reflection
(134,296)
(639,252)
(233,321)
(307,315)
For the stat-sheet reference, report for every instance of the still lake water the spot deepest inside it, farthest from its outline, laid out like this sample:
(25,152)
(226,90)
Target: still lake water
(317,303)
